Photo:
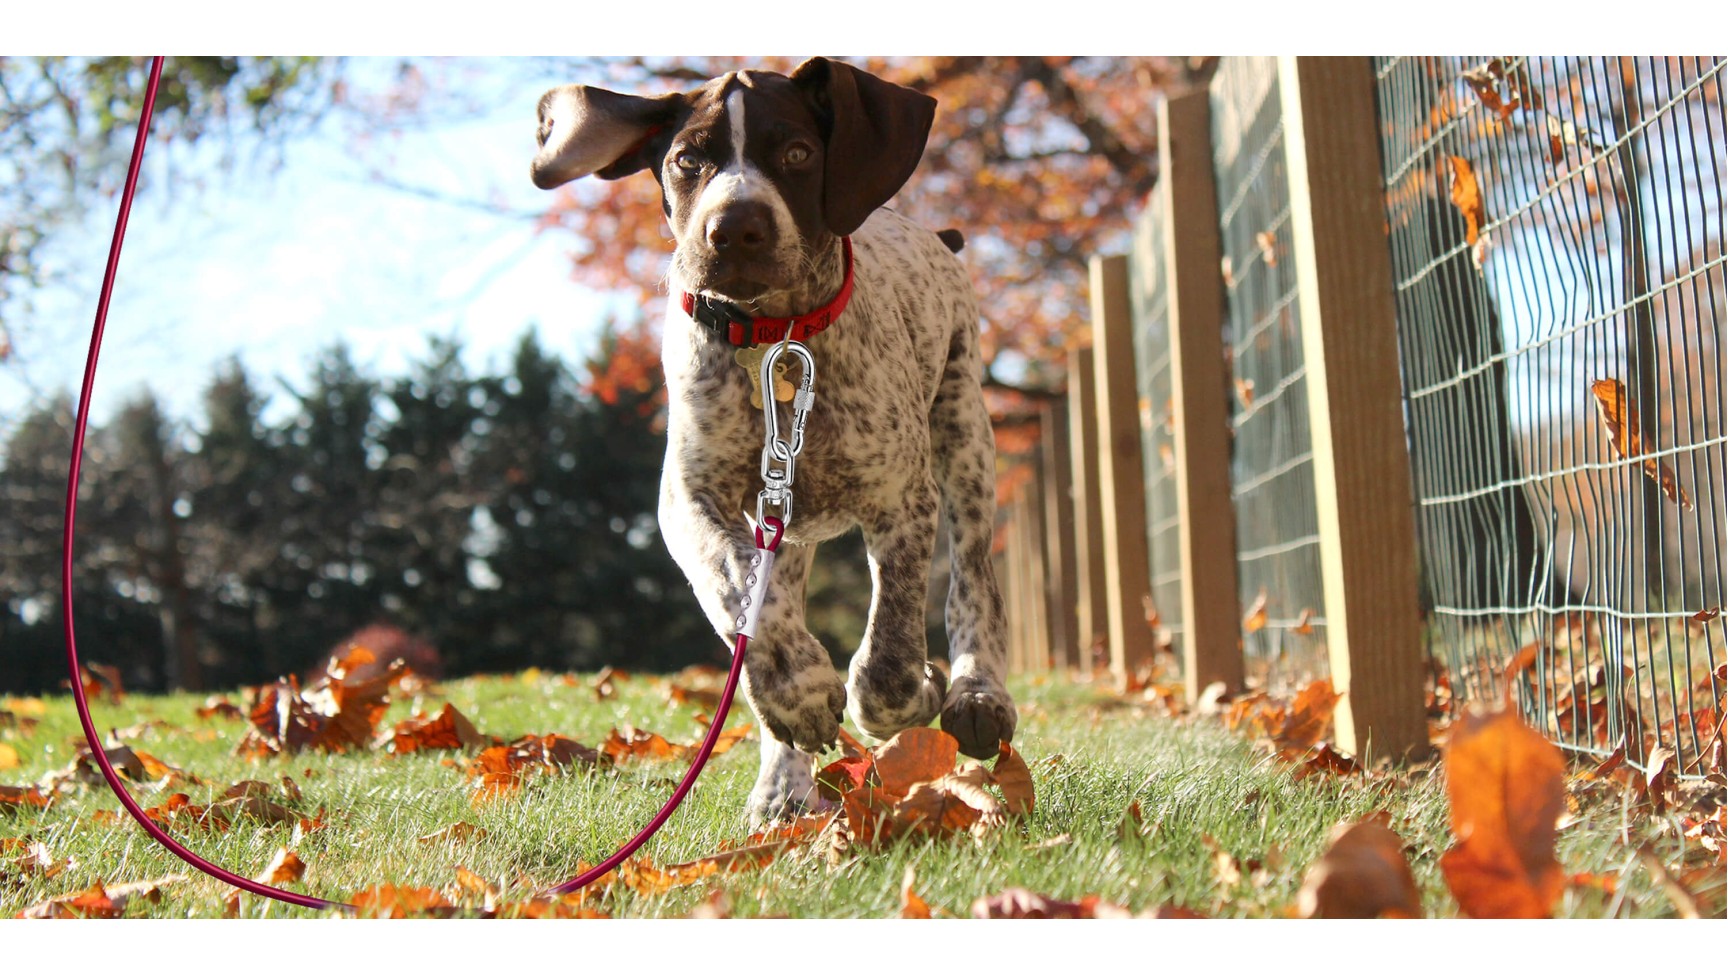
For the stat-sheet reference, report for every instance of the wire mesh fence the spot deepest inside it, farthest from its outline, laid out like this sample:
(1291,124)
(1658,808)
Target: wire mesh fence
(1557,230)
(1277,535)
(1150,292)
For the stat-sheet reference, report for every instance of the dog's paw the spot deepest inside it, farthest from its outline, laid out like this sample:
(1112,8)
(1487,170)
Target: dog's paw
(785,788)
(980,715)
(810,719)
(879,718)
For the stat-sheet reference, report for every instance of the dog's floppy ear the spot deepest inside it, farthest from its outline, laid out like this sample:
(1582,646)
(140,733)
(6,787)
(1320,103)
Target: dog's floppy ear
(875,132)
(587,130)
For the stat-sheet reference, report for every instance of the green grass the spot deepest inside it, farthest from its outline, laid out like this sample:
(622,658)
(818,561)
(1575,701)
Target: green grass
(1091,757)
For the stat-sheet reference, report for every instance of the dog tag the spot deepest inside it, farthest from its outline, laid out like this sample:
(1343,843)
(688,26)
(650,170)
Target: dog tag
(751,360)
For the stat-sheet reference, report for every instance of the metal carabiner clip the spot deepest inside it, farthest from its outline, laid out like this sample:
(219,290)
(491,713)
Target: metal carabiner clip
(802,400)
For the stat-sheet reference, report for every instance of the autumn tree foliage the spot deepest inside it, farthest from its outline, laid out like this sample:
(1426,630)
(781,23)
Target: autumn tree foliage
(1040,161)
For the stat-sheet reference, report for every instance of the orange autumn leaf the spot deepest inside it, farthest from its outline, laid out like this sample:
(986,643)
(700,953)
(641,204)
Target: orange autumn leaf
(843,775)
(912,907)
(913,756)
(1506,784)
(1467,197)
(1015,780)
(1305,722)
(1363,874)
(284,868)
(627,743)
(1324,759)
(448,729)
(391,901)
(100,900)
(1304,622)
(1255,619)
(501,769)
(1620,416)
(220,707)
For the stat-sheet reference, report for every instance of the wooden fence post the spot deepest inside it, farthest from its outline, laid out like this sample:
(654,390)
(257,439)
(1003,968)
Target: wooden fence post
(1200,393)
(1121,478)
(1059,531)
(1350,348)
(1091,619)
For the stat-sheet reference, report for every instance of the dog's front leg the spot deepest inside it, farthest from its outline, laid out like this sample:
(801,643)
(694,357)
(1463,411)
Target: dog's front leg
(789,679)
(892,685)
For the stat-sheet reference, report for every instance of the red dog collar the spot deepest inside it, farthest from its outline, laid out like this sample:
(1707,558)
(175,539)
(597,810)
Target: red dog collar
(736,326)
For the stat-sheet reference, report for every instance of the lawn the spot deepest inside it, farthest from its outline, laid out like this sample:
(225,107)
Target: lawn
(1134,807)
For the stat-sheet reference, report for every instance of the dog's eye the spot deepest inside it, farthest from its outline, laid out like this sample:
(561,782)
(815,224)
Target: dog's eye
(688,161)
(797,154)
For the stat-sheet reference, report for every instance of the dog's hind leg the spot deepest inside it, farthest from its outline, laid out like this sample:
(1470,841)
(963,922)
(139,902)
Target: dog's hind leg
(978,710)
(892,686)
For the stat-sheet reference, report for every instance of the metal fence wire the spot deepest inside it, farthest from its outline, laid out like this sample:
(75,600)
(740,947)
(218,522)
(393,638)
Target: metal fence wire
(1149,286)
(1272,473)
(1557,230)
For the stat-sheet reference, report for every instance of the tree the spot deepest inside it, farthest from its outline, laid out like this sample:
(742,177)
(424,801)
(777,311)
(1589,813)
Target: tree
(66,126)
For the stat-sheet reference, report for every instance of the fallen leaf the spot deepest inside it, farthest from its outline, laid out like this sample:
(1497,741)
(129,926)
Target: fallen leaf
(285,868)
(1304,622)
(501,769)
(1019,903)
(391,901)
(1326,760)
(1015,780)
(220,707)
(13,798)
(1309,715)
(453,833)
(8,756)
(913,756)
(1706,615)
(911,905)
(100,901)
(448,729)
(1467,197)
(843,775)
(1255,619)
(1620,416)
(627,743)
(1363,874)
(1507,788)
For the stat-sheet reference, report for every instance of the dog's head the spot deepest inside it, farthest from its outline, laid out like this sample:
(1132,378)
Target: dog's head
(758,171)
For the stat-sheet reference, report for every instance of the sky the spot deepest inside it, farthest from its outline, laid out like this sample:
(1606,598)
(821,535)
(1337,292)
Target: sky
(271,263)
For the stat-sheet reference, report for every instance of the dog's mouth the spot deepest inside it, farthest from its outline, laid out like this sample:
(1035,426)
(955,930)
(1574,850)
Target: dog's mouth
(740,283)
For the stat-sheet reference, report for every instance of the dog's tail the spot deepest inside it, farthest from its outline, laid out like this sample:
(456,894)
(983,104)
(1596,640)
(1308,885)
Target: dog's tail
(953,238)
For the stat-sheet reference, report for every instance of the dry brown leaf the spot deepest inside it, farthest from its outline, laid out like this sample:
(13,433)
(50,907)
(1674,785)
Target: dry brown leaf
(1706,615)
(1255,619)
(911,905)
(1015,780)
(1363,874)
(448,729)
(1467,197)
(1304,622)
(1326,760)
(1620,416)
(1309,715)
(220,707)
(1507,788)
(912,756)
(100,901)
(285,868)
(627,743)
(391,901)
(453,833)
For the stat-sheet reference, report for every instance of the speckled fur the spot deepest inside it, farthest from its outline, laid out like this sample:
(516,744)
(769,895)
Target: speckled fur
(898,428)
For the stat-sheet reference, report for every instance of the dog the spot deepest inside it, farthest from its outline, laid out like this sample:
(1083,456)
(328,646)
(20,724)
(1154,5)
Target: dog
(774,187)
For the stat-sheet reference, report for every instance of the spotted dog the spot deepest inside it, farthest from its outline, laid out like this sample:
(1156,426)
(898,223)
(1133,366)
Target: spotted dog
(770,182)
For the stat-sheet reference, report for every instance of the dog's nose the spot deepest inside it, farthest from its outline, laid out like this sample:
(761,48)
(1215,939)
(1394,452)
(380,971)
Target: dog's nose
(743,228)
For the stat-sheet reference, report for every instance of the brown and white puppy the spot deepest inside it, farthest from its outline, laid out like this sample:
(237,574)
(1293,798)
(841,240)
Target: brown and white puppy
(761,175)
